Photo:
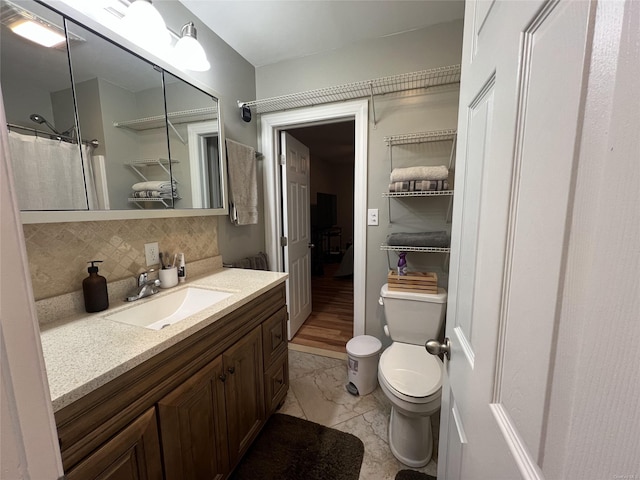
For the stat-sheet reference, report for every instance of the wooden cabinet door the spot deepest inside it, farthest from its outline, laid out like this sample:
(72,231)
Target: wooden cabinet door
(244,392)
(133,454)
(193,428)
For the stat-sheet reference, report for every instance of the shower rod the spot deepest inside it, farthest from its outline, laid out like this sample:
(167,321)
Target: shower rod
(93,143)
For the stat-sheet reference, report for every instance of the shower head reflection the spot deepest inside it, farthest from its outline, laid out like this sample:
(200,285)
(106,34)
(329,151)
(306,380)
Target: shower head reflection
(37,118)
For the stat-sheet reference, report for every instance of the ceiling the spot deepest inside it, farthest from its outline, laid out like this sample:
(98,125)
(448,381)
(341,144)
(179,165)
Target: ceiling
(270,31)
(265,32)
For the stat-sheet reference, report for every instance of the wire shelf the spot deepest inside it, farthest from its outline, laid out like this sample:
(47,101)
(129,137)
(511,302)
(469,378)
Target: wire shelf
(158,121)
(421,137)
(167,202)
(153,161)
(405,248)
(428,193)
(380,86)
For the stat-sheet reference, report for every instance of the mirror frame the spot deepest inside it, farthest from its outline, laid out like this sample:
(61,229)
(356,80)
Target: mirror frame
(109,35)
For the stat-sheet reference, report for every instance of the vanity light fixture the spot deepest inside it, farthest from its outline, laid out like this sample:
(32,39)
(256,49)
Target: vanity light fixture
(188,52)
(144,24)
(38,33)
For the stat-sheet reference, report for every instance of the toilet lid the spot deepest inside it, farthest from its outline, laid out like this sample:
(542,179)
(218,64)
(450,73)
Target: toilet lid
(411,370)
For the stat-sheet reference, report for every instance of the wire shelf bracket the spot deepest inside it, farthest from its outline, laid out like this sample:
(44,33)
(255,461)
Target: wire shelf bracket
(369,88)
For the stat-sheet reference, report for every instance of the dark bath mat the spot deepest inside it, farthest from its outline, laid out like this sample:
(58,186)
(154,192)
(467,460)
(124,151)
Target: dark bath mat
(413,475)
(290,448)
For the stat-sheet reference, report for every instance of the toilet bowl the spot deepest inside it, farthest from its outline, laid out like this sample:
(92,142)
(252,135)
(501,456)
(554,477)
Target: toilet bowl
(411,379)
(408,375)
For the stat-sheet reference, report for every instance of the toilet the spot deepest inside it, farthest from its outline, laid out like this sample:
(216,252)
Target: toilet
(410,377)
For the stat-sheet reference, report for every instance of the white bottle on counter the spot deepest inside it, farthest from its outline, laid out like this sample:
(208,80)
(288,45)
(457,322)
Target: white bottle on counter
(182,270)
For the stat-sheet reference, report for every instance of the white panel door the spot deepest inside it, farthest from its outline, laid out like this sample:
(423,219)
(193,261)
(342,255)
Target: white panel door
(519,120)
(296,224)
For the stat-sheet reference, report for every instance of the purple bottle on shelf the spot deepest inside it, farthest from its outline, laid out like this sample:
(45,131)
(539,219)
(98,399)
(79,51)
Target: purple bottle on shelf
(402,263)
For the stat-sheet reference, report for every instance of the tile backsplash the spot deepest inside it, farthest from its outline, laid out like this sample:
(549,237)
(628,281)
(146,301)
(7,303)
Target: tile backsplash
(58,252)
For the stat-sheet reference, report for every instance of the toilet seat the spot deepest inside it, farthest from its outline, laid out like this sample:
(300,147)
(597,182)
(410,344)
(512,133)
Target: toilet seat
(410,372)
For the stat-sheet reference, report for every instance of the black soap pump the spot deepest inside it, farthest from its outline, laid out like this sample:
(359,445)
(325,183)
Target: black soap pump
(94,287)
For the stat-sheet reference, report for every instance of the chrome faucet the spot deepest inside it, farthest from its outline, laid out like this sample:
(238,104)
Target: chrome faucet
(145,288)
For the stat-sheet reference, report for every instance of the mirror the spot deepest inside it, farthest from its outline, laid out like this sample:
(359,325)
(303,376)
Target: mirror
(192,117)
(134,156)
(113,90)
(40,114)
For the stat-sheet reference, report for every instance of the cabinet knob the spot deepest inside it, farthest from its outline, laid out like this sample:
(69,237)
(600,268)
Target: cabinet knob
(222,377)
(279,381)
(279,336)
(232,370)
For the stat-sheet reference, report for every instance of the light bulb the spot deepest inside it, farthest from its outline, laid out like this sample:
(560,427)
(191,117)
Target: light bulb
(144,24)
(188,53)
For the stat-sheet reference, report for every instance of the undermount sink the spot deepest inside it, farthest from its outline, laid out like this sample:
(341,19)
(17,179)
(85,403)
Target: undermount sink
(162,311)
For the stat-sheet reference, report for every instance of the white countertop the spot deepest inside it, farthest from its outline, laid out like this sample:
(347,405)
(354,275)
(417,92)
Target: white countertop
(87,351)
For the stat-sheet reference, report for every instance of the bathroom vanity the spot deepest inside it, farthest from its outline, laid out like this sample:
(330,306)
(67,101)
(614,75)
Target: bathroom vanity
(182,402)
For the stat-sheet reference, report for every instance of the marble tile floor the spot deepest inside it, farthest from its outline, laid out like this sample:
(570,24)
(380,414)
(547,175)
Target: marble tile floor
(317,393)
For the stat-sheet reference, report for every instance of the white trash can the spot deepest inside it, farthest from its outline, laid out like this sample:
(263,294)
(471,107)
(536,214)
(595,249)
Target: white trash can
(363,353)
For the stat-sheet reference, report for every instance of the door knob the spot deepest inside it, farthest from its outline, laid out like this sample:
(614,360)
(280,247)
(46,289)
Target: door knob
(434,347)
(311,245)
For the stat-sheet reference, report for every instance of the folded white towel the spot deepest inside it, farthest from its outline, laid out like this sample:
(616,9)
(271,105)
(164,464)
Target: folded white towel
(162,185)
(439,172)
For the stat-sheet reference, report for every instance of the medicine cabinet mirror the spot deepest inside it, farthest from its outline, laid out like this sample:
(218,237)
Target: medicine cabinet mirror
(150,143)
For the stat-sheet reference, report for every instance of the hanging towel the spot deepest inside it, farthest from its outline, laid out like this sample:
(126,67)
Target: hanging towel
(439,172)
(243,185)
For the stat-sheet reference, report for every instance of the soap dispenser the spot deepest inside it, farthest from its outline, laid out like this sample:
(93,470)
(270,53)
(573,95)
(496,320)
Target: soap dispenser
(94,288)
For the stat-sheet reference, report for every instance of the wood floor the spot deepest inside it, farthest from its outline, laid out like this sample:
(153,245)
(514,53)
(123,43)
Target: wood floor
(330,325)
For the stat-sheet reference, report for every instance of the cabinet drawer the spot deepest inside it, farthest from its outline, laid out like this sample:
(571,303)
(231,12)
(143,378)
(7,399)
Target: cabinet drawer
(274,336)
(276,382)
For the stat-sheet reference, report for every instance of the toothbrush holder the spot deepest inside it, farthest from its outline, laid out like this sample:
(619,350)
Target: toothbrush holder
(168,277)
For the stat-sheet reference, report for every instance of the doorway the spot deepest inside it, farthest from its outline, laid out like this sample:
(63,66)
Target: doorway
(270,126)
(332,162)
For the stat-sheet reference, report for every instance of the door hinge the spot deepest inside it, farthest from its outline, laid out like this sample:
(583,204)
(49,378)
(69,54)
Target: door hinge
(283,160)
(283,241)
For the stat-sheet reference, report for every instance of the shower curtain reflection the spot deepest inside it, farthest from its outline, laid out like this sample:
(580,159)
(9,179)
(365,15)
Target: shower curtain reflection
(50,174)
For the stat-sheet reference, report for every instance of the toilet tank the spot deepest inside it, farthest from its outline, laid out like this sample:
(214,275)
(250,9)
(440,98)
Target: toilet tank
(413,317)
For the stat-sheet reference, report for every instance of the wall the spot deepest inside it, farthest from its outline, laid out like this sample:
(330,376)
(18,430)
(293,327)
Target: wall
(335,178)
(121,145)
(58,252)
(234,79)
(431,47)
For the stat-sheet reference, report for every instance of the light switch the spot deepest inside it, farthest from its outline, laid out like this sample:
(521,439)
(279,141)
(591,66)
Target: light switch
(372,216)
